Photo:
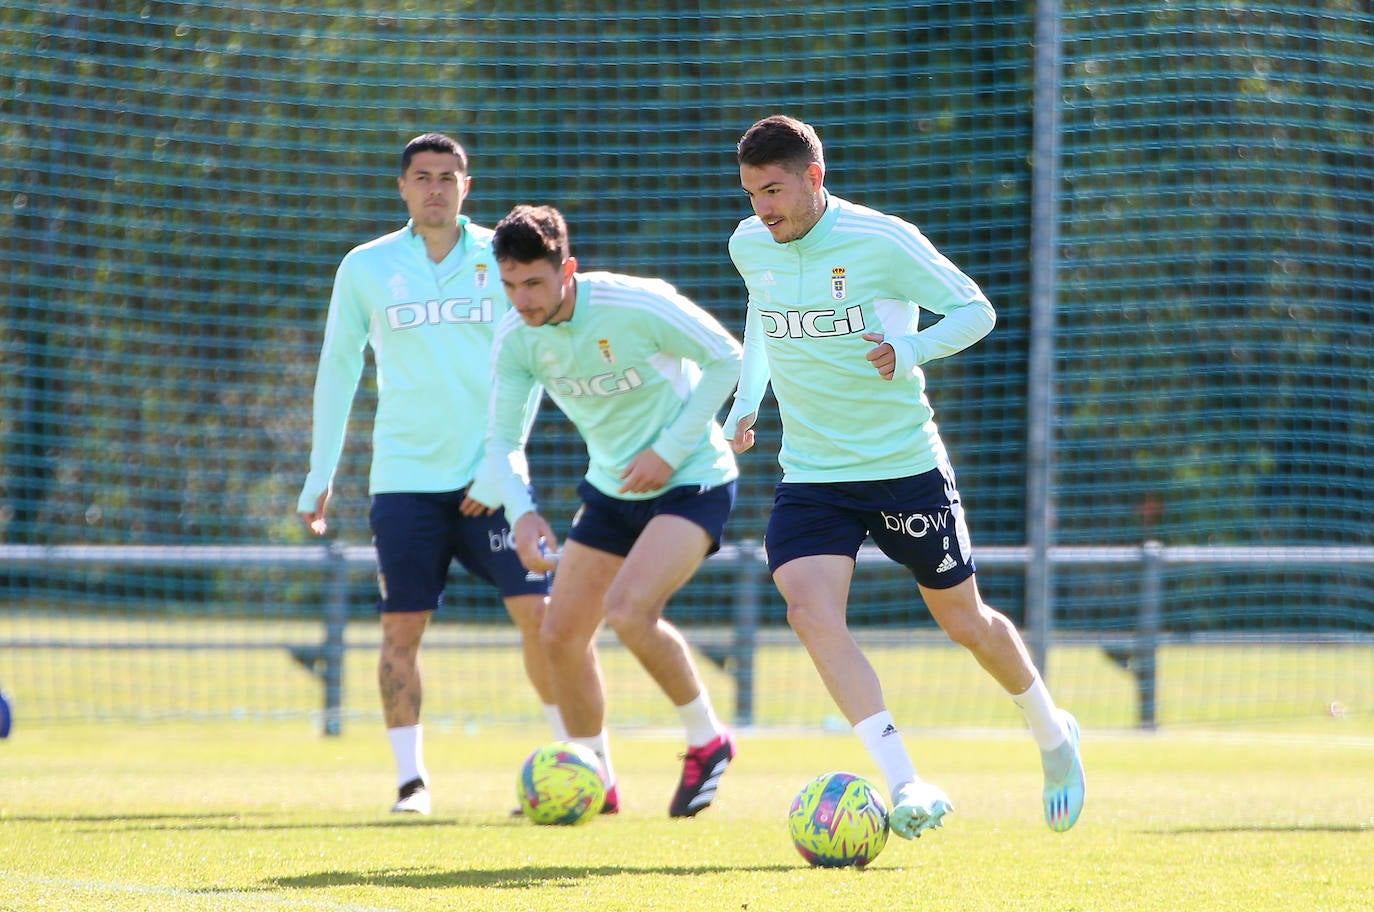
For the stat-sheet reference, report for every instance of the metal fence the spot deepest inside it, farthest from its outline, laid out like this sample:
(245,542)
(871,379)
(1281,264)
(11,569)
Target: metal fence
(1134,649)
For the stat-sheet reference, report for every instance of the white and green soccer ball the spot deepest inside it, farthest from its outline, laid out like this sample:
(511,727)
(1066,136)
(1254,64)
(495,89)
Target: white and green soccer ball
(560,783)
(838,820)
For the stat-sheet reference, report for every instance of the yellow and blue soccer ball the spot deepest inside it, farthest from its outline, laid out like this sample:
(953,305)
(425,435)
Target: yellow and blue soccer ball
(561,783)
(838,820)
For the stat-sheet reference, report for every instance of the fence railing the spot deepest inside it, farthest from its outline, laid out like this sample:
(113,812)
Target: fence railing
(734,650)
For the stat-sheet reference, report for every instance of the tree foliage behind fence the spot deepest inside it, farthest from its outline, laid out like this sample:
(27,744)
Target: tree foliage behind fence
(181,179)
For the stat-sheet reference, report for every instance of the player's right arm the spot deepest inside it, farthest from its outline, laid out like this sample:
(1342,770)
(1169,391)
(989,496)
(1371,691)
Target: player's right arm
(504,477)
(753,381)
(336,382)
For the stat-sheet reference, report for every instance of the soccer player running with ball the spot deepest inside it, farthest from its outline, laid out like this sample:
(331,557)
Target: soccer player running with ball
(834,291)
(640,371)
(426,298)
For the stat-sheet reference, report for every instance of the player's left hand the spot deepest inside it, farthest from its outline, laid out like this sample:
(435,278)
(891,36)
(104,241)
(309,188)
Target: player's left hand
(646,472)
(474,508)
(881,356)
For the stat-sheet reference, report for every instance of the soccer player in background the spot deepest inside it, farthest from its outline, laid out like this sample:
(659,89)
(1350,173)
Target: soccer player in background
(834,292)
(640,371)
(427,299)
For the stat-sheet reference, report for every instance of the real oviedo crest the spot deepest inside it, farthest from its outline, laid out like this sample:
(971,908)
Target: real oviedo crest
(837,289)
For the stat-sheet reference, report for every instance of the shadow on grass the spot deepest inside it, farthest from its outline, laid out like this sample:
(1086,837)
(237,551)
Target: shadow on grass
(503,878)
(1268,828)
(159,819)
(248,820)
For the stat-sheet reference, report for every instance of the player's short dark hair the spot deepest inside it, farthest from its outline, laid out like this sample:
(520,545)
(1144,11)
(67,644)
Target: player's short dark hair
(781,140)
(531,233)
(434,142)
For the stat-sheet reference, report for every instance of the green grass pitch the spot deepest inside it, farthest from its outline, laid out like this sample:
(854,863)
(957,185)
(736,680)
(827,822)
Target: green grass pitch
(270,816)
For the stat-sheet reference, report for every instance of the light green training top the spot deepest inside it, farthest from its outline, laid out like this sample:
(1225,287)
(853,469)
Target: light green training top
(431,327)
(810,300)
(638,365)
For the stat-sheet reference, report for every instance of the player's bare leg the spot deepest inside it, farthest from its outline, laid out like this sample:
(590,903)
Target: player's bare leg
(988,634)
(568,635)
(816,589)
(398,669)
(663,559)
(527,611)
(668,552)
(998,647)
(399,679)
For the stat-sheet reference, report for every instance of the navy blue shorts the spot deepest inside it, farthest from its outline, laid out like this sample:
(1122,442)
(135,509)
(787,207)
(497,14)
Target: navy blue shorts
(613,525)
(418,535)
(916,521)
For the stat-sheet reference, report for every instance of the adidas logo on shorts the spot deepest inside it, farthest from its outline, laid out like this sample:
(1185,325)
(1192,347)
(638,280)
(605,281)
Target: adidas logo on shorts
(947,564)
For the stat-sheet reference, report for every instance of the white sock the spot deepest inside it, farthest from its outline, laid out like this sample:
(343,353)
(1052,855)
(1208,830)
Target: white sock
(700,721)
(600,746)
(555,719)
(1041,715)
(408,747)
(884,743)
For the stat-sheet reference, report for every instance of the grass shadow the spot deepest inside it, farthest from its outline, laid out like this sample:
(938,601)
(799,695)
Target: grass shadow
(1267,828)
(246,820)
(504,878)
(157,818)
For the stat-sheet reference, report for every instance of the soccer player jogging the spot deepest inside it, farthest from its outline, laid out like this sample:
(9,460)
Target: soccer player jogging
(426,298)
(834,292)
(640,371)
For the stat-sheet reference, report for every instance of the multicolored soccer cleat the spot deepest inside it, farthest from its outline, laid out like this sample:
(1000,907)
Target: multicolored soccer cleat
(1065,785)
(702,768)
(916,807)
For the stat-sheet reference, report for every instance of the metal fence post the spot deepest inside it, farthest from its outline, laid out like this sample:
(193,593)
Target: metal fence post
(1147,630)
(746,629)
(335,620)
(1040,400)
